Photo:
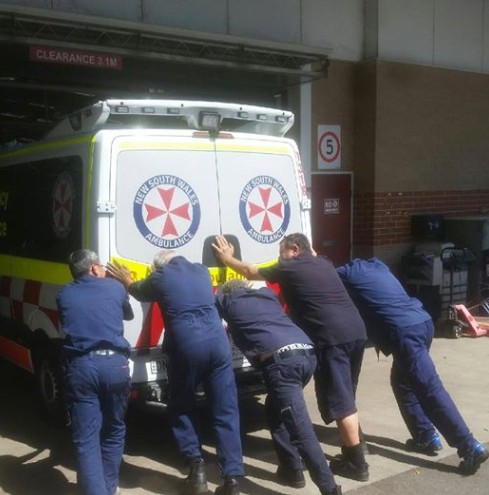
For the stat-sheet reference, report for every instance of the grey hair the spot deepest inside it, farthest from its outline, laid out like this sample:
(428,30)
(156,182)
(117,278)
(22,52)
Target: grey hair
(162,258)
(235,284)
(81,260)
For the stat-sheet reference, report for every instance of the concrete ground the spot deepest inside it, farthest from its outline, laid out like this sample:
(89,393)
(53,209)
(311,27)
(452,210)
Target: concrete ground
(36,459)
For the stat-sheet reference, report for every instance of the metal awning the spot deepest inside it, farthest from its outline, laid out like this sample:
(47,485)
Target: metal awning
(150,41)
(158,61)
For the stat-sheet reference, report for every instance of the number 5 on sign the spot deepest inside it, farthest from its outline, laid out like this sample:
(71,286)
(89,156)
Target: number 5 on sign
(329,147)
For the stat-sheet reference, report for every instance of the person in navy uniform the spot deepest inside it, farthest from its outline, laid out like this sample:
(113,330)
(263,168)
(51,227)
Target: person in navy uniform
(91,311)
(319,304)
(269,339)
(198,352)
(397,324)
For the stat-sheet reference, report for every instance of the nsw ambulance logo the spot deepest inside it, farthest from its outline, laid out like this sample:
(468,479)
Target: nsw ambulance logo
(63,196)
(167,211)
(264,209)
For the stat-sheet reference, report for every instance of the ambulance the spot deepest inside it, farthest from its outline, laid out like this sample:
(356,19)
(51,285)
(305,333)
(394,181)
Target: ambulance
(127,178)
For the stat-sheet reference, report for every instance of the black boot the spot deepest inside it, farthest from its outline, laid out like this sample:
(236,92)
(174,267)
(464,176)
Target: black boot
(291,477)
(230,486)
(196,482)
(363,442)
(336,491)
(350,464)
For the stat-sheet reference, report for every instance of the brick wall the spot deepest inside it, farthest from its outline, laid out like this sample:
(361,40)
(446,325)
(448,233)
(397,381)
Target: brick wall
(382,219)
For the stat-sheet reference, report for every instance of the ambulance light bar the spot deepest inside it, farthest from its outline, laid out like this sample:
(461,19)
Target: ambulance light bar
(196,115)
(209,121)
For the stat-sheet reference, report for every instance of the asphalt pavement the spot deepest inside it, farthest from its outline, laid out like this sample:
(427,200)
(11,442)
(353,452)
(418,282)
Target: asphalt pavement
(36,459)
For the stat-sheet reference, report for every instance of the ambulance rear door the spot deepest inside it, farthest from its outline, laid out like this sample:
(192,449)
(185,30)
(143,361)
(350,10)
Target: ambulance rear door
(165,193)
(165,187)
(259,194)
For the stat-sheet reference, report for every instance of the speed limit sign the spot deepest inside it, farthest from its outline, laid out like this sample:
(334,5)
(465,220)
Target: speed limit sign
(329,146)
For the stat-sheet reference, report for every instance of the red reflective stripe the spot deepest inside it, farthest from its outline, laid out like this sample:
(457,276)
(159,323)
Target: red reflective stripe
(32,289)
(276,288)
(16,353)
(152,328)
(52,314)
(18,311)
(5,284)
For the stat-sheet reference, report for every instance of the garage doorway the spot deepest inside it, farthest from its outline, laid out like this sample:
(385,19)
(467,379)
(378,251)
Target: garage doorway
(331,215)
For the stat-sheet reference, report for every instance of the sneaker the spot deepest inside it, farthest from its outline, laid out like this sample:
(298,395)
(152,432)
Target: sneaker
(429,447)
(230,487)
(291,477)
(347,469)
(473,459)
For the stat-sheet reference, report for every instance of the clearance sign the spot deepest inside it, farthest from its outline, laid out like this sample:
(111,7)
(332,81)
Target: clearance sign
(74,57)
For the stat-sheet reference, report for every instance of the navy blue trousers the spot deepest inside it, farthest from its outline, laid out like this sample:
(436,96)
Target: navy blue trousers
(288,419)
(98,390)
(205,359)
(420,394)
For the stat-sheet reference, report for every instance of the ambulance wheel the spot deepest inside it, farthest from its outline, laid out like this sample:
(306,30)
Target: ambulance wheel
(49,378)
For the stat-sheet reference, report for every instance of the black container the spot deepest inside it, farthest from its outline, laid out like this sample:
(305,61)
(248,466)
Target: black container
(428,225)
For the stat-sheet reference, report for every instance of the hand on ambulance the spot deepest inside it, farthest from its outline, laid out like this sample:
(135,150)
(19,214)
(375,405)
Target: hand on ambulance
(120,273)
(223,249)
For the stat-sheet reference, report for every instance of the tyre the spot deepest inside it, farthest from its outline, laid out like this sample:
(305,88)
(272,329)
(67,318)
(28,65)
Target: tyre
(454,329)
(50,390)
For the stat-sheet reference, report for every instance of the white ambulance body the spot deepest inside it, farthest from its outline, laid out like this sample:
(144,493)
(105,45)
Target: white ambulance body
(126,179)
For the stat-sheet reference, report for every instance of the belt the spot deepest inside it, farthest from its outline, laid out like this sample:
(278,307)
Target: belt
(104,352)
(286,352)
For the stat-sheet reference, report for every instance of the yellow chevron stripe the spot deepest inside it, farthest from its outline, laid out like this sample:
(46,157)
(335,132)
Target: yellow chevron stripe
(26,150)
(218,275)
(42,271)
(195,146)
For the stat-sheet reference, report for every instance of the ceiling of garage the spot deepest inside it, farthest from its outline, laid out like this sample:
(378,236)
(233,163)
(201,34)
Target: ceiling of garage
(34,95)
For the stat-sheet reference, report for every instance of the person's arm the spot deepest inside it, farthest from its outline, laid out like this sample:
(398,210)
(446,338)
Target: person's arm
(225,251)
(139,290)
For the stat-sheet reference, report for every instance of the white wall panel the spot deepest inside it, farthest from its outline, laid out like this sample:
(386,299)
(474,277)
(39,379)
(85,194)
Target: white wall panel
(277,20)
(485,40)
(129,10)
(32,3)
(458,34)
(201,15)
(334,24)
(405,30)
(371,30)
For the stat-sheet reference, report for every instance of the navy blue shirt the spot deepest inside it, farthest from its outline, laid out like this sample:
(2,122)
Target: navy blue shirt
(257,321)
(382,300)
(91,311)
(183,291)
(317,300)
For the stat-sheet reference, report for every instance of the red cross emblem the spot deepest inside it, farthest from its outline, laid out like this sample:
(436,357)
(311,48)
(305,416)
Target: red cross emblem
(167,212)
(62,205)
(269,211)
